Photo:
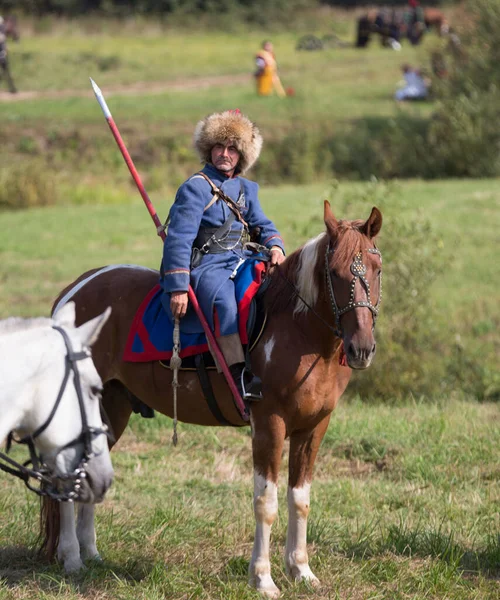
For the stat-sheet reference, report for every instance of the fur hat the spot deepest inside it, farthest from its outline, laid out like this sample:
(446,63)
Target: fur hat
(224,127)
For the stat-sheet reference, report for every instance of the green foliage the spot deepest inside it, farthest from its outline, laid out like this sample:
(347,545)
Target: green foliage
(26,186)
(258,11)
(464,135)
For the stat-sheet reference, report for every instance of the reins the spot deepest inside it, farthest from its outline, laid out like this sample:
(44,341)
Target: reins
(47,482)
(358,269)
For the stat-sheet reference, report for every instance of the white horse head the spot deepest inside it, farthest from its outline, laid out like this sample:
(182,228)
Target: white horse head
(64,424)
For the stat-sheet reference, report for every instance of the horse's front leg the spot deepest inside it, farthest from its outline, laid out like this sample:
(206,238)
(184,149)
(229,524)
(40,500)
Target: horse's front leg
(304,447)
(68,548)
(85,532)
(267,444)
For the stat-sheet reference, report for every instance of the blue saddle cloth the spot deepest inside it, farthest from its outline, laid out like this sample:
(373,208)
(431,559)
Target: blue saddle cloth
(150,335)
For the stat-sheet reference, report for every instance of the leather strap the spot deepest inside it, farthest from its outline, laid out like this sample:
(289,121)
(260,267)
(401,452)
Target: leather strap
(225,198)
(208,391)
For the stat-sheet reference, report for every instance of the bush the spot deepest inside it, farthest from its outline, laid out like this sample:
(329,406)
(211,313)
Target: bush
(26,186)
(464,135)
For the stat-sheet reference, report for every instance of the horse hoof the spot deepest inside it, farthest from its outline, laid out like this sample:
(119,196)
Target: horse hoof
(73,566)
(304,575)
(265,586)
(97,559)
(270,593)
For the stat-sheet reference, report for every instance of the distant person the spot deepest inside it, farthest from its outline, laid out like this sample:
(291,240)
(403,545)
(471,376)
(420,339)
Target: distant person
(415,86)
(4,61)
(415,22)
(266,74)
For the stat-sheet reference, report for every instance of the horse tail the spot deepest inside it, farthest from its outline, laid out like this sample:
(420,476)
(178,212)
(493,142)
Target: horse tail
(50,522)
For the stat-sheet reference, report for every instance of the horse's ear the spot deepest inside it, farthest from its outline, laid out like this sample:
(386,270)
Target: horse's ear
(372,226)
(330,220)
(89,331)
(65,316)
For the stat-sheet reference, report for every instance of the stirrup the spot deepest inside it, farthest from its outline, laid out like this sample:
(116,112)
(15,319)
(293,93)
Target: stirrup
(252,388)
(249,385)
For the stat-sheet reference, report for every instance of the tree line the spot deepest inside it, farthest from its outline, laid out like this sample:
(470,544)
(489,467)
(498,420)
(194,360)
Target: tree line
(247,8)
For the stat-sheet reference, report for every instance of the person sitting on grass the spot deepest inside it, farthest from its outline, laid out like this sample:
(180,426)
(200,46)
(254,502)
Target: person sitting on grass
(415,86)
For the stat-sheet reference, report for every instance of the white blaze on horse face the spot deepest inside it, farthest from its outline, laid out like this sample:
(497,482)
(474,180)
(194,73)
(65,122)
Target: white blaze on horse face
(265,502)
(306,285)
(268,349)
(296,559)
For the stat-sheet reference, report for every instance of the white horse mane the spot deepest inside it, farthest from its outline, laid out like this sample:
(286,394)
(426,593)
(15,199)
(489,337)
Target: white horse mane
(305,280)
(17,324)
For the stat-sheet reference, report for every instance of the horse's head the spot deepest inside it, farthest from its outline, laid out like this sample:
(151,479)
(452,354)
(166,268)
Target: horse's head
(353,267)
(74,443)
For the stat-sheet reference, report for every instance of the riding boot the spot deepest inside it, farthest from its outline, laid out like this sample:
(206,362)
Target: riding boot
(249,385)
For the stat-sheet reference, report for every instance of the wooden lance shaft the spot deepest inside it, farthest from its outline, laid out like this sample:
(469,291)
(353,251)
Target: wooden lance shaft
(161,232)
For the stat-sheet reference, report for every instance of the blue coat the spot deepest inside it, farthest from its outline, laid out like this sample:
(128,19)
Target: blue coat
(209,279)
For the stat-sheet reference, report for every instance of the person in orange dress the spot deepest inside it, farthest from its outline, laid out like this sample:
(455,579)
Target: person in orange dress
(266,75)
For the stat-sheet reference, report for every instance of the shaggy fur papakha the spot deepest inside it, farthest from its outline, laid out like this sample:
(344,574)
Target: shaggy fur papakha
(224,127)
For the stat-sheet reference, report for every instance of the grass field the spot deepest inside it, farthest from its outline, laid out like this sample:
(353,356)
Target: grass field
(404,505)
(405,501)
(333,87)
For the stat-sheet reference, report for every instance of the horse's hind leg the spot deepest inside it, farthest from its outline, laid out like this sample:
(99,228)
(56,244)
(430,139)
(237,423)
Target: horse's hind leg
(267,443)
(304,447)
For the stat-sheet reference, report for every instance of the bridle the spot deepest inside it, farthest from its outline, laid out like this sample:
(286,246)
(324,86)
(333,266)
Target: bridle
(48,483)
(358,269)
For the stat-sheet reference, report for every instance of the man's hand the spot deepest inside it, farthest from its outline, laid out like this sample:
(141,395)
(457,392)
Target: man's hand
(178,304)
(277,257)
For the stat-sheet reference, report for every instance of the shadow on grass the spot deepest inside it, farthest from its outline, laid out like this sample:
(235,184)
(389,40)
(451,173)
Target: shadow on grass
(19,564)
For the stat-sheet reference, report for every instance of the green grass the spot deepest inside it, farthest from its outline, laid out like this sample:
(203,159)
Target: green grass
(332,87)
(404,505)
(34,243)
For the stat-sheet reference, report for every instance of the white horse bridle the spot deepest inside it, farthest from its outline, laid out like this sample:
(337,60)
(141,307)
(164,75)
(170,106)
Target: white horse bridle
(48,483)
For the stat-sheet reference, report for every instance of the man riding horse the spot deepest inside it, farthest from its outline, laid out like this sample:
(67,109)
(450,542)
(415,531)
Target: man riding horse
(4,61)
(213,213)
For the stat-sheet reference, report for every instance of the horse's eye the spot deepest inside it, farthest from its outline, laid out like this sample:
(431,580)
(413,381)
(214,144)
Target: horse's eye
(96,390)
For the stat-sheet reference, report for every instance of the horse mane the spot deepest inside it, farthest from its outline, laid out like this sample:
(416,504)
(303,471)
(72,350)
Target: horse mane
(302,271)
(18,324)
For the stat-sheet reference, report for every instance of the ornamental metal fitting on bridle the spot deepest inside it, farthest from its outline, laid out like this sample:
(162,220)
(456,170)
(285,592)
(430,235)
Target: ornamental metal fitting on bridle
(49,484)
(358,269)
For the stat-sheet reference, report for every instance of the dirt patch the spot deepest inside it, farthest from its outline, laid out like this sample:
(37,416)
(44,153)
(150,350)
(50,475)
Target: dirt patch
(137,89)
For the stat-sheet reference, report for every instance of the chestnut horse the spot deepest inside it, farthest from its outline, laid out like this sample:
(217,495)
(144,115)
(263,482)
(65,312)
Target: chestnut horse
(391,23)
(323,300)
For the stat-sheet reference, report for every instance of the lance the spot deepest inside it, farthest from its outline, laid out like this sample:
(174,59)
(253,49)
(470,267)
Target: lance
(161,232)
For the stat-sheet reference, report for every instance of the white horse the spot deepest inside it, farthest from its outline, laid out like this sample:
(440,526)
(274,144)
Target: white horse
(49,400)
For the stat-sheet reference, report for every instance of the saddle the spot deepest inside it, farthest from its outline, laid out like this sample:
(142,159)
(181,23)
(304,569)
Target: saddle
(150,337)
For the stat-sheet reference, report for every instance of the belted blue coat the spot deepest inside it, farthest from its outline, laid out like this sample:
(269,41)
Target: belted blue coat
(212,278)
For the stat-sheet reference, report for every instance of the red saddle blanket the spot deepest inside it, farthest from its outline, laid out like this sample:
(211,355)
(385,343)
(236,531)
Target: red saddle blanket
(151,332)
